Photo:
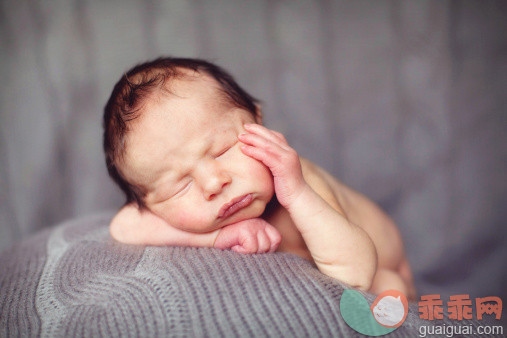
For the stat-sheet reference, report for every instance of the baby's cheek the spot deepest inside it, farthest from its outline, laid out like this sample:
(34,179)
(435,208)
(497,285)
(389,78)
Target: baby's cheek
(185,218)
(177,217)
(262,175)
(195,219)
(181,218)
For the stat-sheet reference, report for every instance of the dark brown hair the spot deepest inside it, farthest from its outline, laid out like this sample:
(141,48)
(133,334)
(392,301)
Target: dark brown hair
(134,88)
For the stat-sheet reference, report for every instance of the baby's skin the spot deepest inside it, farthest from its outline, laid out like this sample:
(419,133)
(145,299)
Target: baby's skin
(209,170)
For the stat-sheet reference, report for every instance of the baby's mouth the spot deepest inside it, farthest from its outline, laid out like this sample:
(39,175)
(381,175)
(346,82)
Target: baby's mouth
(235,205)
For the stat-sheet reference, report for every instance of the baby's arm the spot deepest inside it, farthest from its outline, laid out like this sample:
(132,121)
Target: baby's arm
(133,226)
(339,248)
(393,268)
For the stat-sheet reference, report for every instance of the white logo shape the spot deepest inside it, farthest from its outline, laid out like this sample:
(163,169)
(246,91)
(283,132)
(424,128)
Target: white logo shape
(389,311)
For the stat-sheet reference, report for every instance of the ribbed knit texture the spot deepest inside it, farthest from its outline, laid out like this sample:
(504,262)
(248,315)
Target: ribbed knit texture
(76,281)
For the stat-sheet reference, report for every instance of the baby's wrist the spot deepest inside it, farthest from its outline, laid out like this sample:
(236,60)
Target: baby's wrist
(215,235)
(301,198)
(307,209)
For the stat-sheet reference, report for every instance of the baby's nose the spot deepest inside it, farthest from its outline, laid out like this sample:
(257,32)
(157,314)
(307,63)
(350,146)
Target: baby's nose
(212,178)
(215,184)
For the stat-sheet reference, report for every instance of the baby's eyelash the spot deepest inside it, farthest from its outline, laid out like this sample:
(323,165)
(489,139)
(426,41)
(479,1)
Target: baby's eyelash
(223,151)
(183,189)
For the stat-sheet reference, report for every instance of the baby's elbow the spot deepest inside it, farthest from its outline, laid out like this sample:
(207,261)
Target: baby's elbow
(120,232)
(363,282)
(360,272)
(116,232)
(363,278)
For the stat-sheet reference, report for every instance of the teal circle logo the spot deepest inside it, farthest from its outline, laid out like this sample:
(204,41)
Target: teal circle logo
(386,314)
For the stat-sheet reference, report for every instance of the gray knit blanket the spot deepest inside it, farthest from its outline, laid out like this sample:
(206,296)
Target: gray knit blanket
(75,280)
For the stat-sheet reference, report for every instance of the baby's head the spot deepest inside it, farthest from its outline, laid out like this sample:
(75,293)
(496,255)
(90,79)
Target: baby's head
(171,131)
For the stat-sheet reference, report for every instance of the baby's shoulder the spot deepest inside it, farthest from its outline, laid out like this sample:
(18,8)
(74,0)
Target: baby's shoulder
(311,169)
(354,205)
(318,177)
(324,184)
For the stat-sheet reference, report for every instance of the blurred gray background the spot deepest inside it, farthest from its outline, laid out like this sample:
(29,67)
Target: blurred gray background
(404,101)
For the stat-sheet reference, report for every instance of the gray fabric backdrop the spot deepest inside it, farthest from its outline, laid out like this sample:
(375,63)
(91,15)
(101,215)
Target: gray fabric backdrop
(404,101)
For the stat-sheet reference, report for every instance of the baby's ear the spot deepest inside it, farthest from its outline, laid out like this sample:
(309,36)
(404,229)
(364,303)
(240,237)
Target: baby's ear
(258,113)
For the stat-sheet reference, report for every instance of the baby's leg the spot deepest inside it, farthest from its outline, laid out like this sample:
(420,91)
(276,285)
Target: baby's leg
(401,280)
(386,280)
(406,273)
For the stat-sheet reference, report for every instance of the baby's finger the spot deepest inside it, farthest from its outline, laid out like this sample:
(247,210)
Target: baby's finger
(280,136)
(271,135)
(263,242)
(269,159)
(274,237)
(260,141)
(239,249)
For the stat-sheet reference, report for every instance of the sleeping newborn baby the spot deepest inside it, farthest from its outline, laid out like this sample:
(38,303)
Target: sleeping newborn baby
(186,145)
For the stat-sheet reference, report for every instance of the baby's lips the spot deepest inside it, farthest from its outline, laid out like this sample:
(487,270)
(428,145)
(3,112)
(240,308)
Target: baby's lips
(235,205)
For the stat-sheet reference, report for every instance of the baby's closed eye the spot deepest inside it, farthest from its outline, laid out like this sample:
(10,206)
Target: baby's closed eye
(225,149)
(183,187)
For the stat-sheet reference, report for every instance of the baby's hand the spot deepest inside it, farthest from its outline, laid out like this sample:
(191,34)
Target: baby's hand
(271,148)
(249,236)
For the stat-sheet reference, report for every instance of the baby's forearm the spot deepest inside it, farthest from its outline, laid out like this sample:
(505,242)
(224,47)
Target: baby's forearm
(167,235)
(132,226)
(340,249)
